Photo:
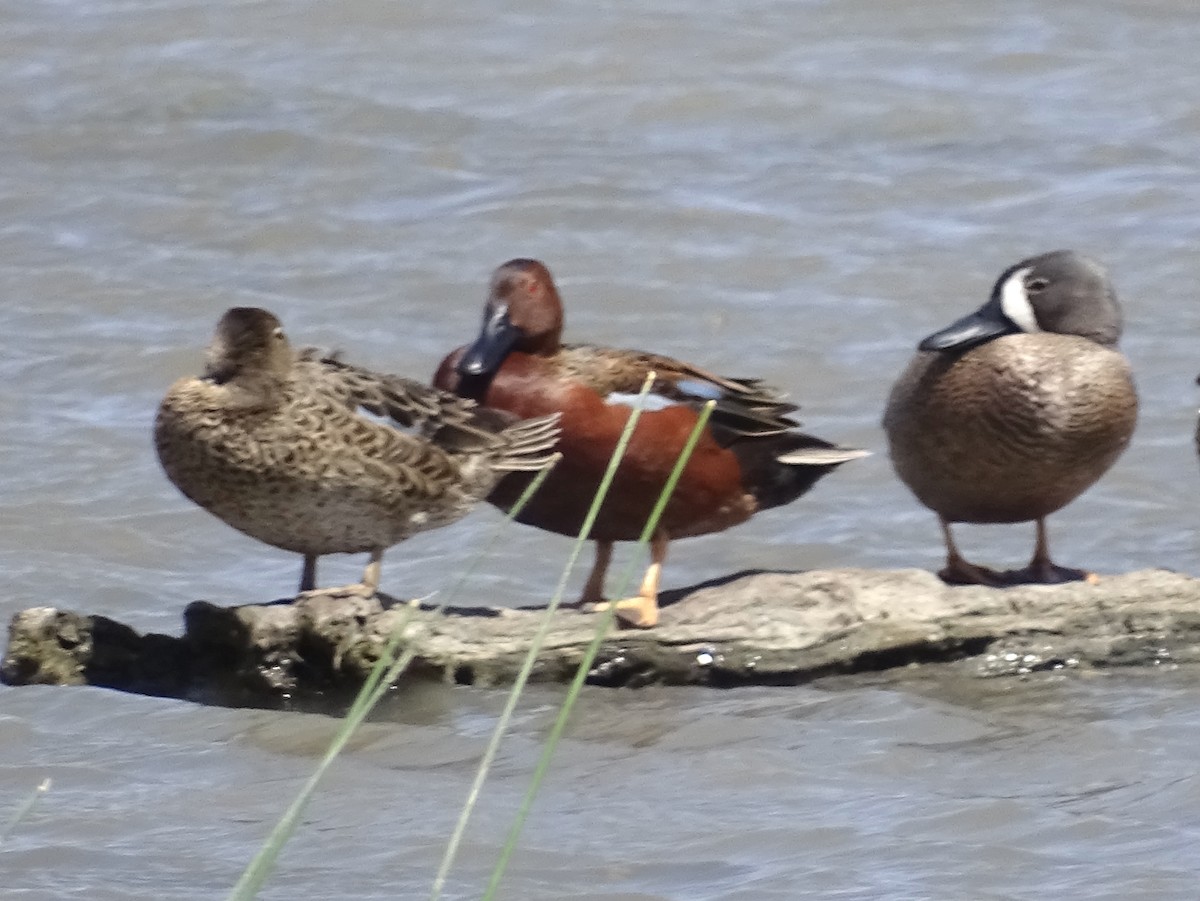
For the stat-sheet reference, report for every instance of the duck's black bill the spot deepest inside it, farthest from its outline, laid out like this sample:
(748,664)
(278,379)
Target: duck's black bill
(491,347)
(978,328)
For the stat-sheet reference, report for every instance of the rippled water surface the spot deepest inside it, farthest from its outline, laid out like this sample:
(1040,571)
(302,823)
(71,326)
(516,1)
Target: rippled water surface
(795,190)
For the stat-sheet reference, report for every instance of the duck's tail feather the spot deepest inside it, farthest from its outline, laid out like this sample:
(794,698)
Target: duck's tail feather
(821,456)
(526,446)
(781,468)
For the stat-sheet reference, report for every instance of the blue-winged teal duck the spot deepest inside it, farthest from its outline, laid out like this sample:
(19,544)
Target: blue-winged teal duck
(748,458)
(271,441)
(1010,413)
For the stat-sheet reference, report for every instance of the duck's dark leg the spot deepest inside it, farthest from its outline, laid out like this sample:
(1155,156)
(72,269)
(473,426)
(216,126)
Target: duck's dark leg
(1042,570)
(593,589)
(308,578)
(958,571)
(641,610)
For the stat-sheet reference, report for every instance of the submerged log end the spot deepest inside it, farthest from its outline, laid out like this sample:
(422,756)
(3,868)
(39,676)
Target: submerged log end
(47,646)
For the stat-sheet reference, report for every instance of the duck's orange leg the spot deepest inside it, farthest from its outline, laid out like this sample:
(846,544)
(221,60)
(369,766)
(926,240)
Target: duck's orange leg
(641,611)
(593,589)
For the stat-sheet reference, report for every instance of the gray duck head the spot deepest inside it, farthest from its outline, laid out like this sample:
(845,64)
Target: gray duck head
(1062,292)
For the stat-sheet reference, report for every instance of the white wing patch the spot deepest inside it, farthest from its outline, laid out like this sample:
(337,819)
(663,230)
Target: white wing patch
(651,402)
(1014,301)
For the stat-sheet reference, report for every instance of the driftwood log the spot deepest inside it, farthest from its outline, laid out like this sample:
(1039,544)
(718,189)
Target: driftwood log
(753,628)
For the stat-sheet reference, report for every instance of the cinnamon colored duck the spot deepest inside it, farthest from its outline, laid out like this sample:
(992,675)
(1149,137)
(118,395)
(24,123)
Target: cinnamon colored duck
(271,441)
(1013,411)
(748,458)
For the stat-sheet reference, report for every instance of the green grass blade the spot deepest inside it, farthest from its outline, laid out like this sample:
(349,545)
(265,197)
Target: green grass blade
(585,665)
(535,646)
(385,672)
(25,809)
(376,685)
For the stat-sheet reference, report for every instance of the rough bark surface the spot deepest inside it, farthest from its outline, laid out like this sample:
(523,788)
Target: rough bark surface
(752,628)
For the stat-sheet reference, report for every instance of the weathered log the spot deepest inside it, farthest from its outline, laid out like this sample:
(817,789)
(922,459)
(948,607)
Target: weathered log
(752,628)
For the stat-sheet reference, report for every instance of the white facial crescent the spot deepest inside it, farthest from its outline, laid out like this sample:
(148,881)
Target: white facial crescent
(1014,301)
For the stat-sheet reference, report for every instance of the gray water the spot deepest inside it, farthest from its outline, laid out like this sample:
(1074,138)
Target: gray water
(795,190)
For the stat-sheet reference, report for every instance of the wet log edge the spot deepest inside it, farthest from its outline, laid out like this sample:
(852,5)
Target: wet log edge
(753,628)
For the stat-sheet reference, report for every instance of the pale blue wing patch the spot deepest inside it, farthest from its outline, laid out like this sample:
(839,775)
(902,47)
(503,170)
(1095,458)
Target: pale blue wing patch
(699,389)
(650,403)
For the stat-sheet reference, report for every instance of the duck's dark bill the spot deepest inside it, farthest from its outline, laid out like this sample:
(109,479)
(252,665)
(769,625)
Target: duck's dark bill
(493,344)
(978,328)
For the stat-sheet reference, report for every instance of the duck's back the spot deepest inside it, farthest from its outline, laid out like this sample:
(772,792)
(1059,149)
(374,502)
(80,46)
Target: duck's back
(306,474)
(1012,429)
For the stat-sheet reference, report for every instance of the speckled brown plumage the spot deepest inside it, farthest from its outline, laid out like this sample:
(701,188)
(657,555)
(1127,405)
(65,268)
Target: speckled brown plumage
(270,441)
(995,422)
(1011,430)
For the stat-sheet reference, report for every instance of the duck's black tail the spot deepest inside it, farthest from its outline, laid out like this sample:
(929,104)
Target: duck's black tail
(780,469)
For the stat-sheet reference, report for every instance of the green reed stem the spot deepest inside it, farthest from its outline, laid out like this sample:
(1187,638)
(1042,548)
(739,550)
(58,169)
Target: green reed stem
(25,809)
(585,665)
(539,638)
(378,681)
(385,672)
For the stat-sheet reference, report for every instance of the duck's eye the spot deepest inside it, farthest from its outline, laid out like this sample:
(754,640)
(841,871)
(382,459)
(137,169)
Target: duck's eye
(1036,285)
(278,333)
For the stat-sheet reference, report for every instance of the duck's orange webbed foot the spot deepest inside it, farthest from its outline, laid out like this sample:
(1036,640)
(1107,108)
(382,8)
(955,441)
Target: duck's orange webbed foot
(641,611)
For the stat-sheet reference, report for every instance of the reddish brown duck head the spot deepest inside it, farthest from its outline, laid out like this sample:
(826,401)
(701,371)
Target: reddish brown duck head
(523,313)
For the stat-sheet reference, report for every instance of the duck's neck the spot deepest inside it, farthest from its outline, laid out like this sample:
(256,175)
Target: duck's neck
(262,391)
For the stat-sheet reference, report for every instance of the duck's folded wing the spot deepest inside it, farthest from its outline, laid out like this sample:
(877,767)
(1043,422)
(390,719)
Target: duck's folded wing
(744,406)
(449,421)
